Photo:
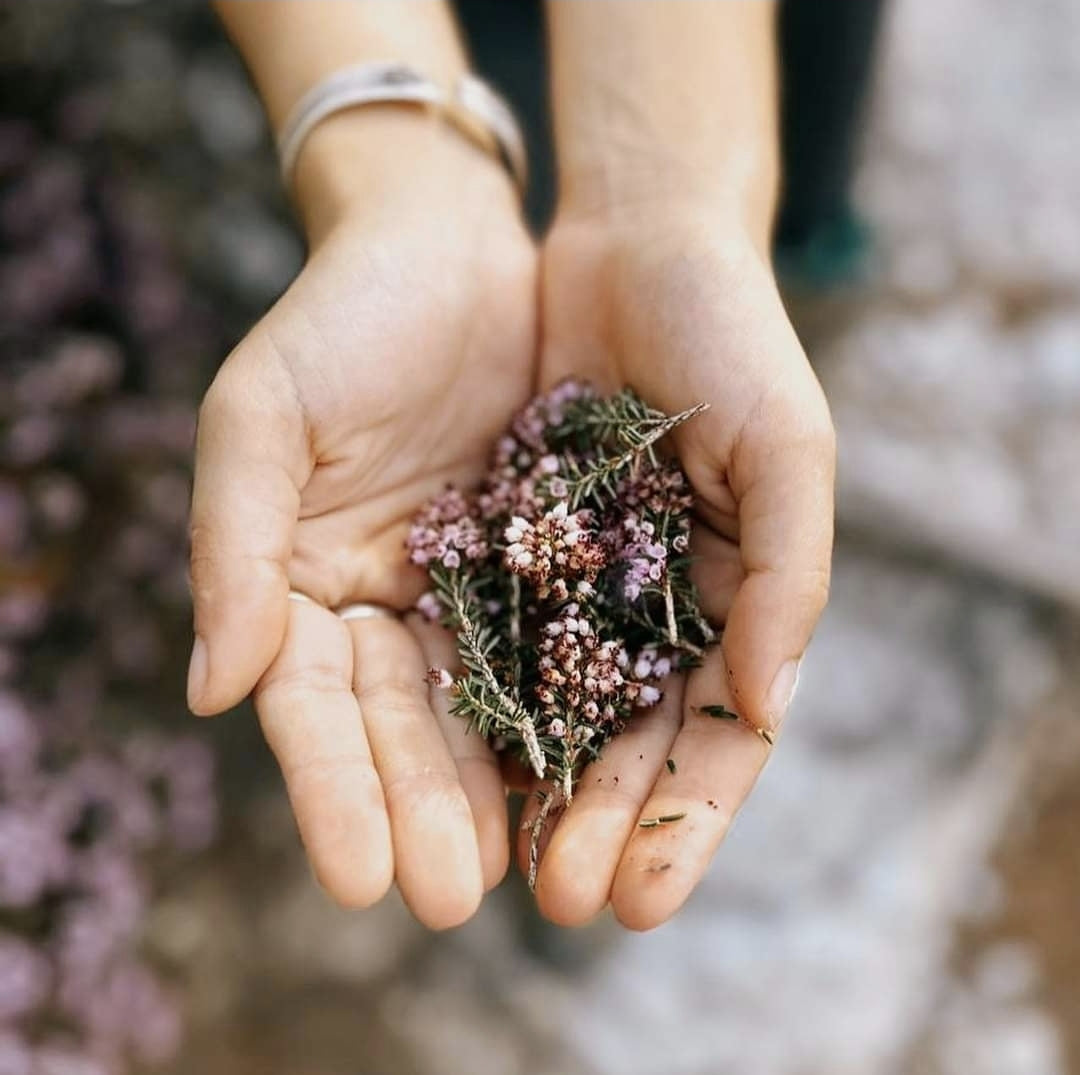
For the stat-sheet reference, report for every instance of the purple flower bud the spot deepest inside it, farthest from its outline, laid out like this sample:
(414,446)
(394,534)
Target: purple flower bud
(428,606)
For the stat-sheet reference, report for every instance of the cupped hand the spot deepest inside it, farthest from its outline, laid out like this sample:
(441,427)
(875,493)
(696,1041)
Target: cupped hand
(385,371)
(681,306)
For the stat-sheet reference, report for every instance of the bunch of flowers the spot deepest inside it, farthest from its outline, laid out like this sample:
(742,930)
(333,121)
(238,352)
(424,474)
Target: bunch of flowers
(565,579)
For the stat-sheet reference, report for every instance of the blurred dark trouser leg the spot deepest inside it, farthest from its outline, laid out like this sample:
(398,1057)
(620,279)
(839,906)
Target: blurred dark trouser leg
(506,42)
(827,50)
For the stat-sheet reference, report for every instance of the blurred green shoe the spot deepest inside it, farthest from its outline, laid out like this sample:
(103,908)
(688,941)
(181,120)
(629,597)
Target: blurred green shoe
(831,255)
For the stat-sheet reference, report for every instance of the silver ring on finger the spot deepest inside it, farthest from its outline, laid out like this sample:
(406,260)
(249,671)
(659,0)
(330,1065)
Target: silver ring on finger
(363,610)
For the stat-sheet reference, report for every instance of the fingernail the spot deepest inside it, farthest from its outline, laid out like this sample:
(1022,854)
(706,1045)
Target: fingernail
(782,691)
(197,671)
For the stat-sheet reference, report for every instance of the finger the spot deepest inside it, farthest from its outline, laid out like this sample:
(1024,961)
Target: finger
(436,856)
(717,571)
(478,769)
(716,764)
(311,720)
(251,460)
(784,468)
(576,873)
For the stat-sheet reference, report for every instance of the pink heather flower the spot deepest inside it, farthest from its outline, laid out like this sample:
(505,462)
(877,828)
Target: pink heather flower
(532,423)
(557,728)
(19,738)
(428,606)
(648,695)
(440,677)
(25,977)
(578,672)
(33,856)
(660,490)
(445,532)
(644,557)
(16,1057)
(557,548)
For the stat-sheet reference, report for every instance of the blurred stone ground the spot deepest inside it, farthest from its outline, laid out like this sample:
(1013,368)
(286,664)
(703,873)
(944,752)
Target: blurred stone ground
(899,897)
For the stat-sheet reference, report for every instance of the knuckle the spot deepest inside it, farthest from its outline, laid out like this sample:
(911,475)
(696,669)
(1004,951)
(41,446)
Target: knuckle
(318,772)
(318,677)
(428,792)
(397,698)
(220,400)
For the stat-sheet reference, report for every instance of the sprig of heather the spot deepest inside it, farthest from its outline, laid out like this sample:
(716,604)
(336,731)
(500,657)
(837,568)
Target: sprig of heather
(565,578)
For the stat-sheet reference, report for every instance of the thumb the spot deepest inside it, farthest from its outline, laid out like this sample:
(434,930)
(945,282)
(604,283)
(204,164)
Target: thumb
(784,473)
(251,460)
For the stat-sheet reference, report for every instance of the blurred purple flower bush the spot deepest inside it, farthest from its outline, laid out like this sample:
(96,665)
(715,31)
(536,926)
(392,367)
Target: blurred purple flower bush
(77,821)
(125,274)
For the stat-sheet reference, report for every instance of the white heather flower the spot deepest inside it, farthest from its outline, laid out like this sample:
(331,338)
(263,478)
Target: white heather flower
(440,677)
(649,695)
(662,668)
(557,728)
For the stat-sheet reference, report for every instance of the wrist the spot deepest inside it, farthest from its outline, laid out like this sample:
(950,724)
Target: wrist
(365,159)
(678,108)
(623,184)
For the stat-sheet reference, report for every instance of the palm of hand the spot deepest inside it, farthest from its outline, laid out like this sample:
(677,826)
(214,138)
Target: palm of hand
(407,364)
(684,318)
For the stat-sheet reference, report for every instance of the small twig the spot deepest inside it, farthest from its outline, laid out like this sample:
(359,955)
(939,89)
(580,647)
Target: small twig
(537,828)
(510,712)
(663,819)
(608,468)
(532,747)
(669,607)
(515,609)
(720,712)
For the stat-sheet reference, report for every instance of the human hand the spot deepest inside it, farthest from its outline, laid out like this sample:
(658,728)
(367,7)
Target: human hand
(680,304)
(385,371)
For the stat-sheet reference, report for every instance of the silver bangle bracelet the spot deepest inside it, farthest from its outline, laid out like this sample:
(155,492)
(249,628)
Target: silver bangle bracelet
(473,107)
